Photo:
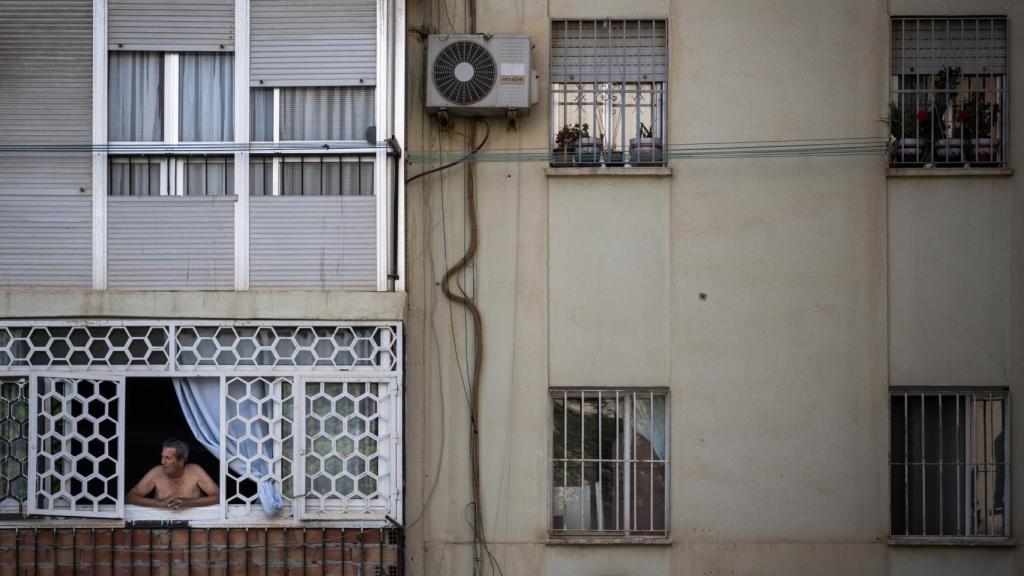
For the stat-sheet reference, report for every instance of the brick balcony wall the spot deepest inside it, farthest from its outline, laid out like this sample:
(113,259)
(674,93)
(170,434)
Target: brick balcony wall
(200,551)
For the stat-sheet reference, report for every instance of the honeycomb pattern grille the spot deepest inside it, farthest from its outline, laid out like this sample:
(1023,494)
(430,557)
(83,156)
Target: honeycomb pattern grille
(77,458)
(144,346)
(342,444)
(259,432)
(337,347)
(83,345)
(13,444)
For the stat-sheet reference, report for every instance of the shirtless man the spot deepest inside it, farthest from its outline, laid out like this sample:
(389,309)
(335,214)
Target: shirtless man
(177,483)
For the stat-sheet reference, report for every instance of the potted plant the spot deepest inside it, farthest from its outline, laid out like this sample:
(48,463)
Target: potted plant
(977,117)
(589,150)
(908,133)
(645,150)
(614,158)
(565,143)
(947,116)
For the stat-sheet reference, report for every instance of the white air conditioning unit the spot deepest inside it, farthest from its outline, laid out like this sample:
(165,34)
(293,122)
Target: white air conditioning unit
(480,75)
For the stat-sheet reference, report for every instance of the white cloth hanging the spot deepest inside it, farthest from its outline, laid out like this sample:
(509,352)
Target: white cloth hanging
(200,403)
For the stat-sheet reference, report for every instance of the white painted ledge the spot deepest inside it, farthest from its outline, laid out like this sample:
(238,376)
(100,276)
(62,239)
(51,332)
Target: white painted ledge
(970,542)
(948,172)
(648,171)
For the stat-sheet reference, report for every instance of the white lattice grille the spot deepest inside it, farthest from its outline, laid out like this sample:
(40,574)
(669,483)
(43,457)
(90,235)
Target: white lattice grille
(347,427)
(64,345)
(259,433)
(338,347)
(75,430)
(13,444)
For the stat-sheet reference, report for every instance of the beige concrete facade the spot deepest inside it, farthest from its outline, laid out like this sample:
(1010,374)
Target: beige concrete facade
(827,281)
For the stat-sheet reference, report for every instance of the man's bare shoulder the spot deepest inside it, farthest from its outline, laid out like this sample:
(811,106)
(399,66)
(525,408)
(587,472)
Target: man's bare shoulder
(195,470)
(155,472)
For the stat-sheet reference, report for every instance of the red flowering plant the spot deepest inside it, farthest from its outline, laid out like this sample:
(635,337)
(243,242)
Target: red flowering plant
(909,123)
(568,135)
(978,116)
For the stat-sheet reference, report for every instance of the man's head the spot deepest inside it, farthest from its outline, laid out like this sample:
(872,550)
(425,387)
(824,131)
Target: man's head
(173,456)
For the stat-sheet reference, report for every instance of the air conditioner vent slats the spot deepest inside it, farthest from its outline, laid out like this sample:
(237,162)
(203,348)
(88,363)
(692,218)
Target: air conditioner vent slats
(464,72)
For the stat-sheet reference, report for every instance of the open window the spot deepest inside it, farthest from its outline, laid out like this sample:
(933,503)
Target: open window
(76,426)
(292,422)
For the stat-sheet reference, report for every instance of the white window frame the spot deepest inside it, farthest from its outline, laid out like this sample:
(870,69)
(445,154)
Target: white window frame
(388,446)
(382,513)
(629,498)
(117,511)
(172,168)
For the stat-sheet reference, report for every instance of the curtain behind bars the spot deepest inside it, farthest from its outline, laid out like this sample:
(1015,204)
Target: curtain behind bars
(207,97)
(200,403)
(135,97)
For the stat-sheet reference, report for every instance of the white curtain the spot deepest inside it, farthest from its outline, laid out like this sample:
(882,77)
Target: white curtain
(135,97)
(327,113)
(200,403)
(261,114)
(207,97)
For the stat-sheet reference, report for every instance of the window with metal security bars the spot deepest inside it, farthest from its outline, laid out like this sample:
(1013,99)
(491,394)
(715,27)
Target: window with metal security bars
(312,411)
(609,462)
(13,445)
(949,104)
(949,463)
(608,91)
(156,99)
(313,141)
(175,176)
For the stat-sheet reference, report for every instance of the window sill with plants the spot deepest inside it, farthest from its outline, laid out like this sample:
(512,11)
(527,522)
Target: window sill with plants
(963,541)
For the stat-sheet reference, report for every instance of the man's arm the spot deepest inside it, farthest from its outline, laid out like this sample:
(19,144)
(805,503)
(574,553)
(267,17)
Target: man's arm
(206,484)
(139,494)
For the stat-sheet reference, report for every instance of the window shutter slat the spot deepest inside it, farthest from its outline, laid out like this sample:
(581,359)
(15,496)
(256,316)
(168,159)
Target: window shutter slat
(171,25)
(313,43)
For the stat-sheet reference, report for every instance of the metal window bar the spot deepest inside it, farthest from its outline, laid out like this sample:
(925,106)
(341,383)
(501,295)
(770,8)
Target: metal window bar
(598,477)
(314,175)
(612,73)
(978,490)
(948,92)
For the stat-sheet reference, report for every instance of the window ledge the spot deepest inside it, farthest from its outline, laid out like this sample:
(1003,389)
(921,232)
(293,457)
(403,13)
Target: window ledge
(608,541)
(948,172)
(657,171)
(965,541)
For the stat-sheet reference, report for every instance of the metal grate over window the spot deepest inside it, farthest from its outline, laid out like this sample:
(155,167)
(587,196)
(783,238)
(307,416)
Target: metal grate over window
(608,81)
(196,346)
(321,175)
(142,175)
(949,463)
(13,445)
(949,92)
(610,464)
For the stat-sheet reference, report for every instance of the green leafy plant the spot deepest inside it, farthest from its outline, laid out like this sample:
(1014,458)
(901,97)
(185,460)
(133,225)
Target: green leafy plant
(645,131)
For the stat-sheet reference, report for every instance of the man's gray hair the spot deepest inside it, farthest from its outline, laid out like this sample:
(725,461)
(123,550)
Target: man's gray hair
(180,447)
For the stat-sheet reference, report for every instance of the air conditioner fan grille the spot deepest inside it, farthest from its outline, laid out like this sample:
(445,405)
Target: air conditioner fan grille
(482,77)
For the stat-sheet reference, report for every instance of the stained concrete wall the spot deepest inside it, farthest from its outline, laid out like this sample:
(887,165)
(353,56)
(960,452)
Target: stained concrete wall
(825,280)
